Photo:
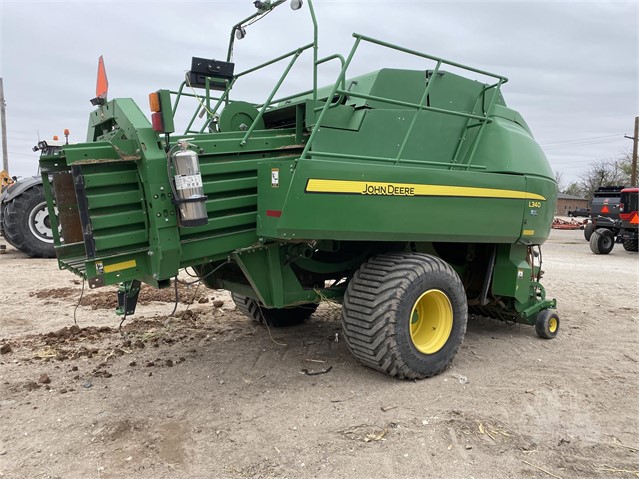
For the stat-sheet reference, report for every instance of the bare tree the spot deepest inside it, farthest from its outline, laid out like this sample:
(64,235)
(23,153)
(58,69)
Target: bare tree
(573,189)
(610,172)
(559,178)
(625,164)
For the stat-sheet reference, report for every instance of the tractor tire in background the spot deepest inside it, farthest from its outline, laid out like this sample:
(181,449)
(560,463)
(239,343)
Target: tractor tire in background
(602,241)
(631,245)
(589,230)
(277,318)
(26,224)
(3,215)
(405,314)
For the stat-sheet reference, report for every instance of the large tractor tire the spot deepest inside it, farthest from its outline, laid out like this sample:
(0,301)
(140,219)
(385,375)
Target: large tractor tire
(3,216)
(277,318)
(405,314)
(26,223)
(631,245)
(589,230)
(602,241)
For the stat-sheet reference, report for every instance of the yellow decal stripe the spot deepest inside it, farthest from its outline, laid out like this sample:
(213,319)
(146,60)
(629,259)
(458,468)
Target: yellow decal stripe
(111,268)
(410,189)
(528,233)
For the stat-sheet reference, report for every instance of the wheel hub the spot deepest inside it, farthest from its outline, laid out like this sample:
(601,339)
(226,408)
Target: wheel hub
(39,223)
(431,321)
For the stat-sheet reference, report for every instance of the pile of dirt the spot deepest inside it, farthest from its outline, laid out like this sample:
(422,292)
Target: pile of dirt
(107,299)
(54,293)
(186,294)
(70,334)
(74,342)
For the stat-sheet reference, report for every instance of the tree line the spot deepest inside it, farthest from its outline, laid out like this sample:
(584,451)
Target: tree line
(608,172)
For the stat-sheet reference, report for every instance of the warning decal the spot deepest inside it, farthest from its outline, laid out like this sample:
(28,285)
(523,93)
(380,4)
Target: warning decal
(184,182)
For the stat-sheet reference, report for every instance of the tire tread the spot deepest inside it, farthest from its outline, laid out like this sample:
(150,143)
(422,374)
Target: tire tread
(370,309)
(16,228)
(277,318)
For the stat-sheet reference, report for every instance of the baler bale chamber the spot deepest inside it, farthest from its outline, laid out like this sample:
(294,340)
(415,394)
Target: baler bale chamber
(412,197)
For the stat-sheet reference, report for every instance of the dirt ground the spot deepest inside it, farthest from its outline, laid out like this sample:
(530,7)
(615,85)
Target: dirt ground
(210,394)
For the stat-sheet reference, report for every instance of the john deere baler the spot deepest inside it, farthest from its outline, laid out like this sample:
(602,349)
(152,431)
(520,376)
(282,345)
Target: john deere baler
(413,197)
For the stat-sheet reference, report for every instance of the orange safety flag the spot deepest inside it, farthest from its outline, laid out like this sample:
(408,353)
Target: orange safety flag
(102,86)
(605,209)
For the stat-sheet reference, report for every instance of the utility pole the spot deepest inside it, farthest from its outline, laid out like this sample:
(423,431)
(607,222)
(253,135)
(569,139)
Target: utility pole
(3,126)
(5,155)
(633,173)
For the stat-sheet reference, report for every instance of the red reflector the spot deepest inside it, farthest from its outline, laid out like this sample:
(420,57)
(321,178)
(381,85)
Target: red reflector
(156,121)
(605,209)
(632,218)
(274,213)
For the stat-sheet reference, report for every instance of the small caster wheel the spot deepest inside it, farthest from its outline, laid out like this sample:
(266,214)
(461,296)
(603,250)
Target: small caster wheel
(602,241)
(547,324)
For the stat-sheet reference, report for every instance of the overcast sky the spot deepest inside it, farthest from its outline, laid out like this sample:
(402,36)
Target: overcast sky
(572,66)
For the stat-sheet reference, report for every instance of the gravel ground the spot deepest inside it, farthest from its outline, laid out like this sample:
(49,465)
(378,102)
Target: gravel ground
(211,394)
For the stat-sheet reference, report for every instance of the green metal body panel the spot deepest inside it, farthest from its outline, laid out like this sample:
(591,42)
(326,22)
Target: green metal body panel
(511,263)
(395,217)
(301,191)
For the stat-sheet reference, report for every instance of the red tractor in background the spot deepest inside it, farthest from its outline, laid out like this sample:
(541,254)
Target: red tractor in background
(628,211)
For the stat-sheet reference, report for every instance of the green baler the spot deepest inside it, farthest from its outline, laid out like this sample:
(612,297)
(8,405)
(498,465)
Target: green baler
(413,197)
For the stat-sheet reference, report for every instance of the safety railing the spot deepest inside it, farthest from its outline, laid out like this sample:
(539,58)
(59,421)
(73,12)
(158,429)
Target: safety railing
(338,92)
(205,100)
(205,104)
(421,106)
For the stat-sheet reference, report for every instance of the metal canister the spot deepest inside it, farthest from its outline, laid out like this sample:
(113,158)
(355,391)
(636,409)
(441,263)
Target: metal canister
(191,199)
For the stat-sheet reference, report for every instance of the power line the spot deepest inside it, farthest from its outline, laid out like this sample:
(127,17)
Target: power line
(573,167)
(569,162)
(553,143)
(585,143)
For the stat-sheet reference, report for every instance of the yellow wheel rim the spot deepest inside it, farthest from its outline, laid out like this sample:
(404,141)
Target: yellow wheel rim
(431,321)
(552,325)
